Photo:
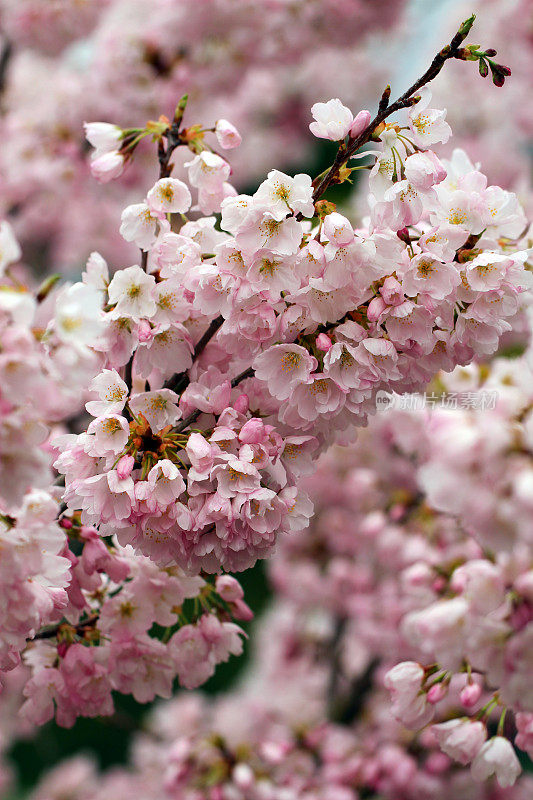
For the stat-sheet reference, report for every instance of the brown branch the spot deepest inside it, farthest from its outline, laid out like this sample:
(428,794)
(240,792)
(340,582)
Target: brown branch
(179,380)
(5,58)
(188,421)
(49,633)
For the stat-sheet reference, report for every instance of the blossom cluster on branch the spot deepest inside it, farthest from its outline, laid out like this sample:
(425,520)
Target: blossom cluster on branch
(311,719)
(253,333)
(261,64)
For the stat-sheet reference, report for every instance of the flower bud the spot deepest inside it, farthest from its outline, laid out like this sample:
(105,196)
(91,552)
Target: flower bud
(107,166)
(392,291)
(227,134)
(323,342)
(252,431)
(470,695)
(229,588)
(144,331)
(125,467)
(103,136)
(242,611)
(360,122)
(437,693)
(375,309)
(62,648)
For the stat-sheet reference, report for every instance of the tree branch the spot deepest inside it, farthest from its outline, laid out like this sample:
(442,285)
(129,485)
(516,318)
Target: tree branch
(179,380)
(50,633)
(188,421)
(5,58)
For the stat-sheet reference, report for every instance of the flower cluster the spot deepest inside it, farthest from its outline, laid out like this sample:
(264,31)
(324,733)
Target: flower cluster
(86,605)
(240,748)
(486,480)
(33,573)
(370,550)
(261,65)
(247,350)
(392,575)
(134,635)
(33,391)
(254,331)
(354,589)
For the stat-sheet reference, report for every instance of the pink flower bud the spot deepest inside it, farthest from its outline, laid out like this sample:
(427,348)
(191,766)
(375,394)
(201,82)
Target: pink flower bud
(144,331)
(375,308)
(62,648)
(323,342)
(125,466)
(360,122)
(392,291)
(252,431)
(229,588)
(470,695)
(437,693)
(66,523)
(241,610)
(107,167)
(242,404)
(227,134)
(59,597)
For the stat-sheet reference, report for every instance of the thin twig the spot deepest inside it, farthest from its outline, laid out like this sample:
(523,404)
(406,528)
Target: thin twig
(5,58)
(179,378)
(188,421)
(49,633)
